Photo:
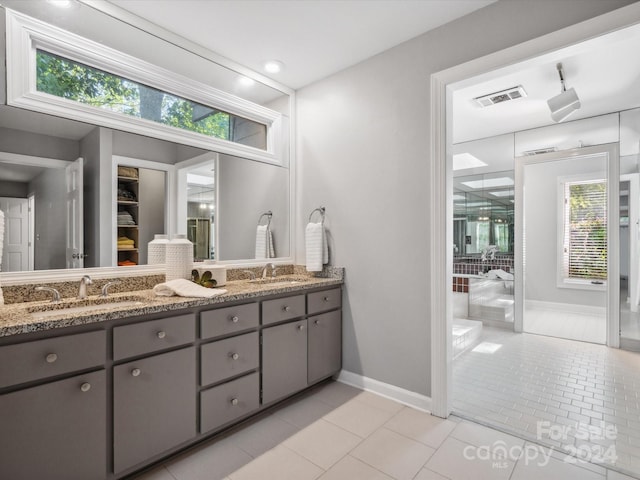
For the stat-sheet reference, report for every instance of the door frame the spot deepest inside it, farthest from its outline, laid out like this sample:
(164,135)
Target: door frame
(441,174)
(611,150)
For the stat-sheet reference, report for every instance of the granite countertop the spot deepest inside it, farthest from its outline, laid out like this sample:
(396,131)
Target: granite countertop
(18,318)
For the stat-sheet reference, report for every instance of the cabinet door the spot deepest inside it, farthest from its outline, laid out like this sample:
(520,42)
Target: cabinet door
(284,360)
(325,345)
(154,406)
(55,431)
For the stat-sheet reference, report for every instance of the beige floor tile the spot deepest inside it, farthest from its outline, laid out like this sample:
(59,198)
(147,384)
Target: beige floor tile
(482,436)
(336,393)
(350,468)
(555,469)
(263,435)
(304,412)
(379,402)
(322,443)
(213,461)
(421,426)
(393,454)
(278,464)
(426,474)
(358,417)
(611,475)
(459,461)
(159,473)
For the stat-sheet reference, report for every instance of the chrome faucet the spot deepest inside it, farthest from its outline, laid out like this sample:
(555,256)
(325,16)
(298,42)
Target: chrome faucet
(56,294)
(252,276)
(82,291)
(105,288)
(266,267)
(489,253)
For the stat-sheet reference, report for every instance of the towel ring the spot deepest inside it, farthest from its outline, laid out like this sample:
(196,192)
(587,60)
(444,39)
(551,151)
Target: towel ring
(321,210)
(267,214)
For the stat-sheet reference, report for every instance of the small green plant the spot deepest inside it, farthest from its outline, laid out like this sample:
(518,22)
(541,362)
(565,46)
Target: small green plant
(205,280)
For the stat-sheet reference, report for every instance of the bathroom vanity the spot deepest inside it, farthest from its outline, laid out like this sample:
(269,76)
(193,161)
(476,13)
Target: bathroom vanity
(102,395)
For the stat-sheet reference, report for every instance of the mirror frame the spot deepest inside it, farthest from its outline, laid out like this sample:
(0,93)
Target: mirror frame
(286,129)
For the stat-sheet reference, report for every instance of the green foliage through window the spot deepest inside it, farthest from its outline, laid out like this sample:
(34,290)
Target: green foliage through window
(74,81)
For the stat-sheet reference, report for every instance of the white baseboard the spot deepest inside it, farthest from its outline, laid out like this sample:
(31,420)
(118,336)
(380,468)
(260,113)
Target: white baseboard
(566,307)
(406,397)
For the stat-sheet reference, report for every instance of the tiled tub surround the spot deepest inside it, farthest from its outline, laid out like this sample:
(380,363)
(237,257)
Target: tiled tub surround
(116,390)
(492,301)
(472,265)
(16,319)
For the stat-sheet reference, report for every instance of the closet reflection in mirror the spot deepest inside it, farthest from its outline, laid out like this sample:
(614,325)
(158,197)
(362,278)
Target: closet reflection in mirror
(483,208)
(50,226)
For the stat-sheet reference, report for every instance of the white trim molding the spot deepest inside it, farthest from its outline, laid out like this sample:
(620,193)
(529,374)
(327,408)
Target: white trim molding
(26,35)
(406,397)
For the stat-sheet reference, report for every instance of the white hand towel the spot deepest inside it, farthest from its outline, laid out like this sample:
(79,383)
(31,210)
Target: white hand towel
(316,247)
(261,242)
(271,252)
(185,288)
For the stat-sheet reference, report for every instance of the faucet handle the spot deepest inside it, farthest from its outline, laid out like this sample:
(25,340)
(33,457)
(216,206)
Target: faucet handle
(105,288)
(86,279)
(55,294)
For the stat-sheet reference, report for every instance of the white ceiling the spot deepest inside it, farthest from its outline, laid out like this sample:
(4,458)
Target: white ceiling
(313,38)
(603,72)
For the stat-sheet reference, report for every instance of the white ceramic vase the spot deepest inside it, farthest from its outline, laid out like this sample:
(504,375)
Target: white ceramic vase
(179,257)
(157,250)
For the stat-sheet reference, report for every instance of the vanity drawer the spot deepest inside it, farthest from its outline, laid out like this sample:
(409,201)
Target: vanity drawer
(323,301)
(282,309)
(226,402)
(223,321)
(146,337)
(29,361)
(229,357)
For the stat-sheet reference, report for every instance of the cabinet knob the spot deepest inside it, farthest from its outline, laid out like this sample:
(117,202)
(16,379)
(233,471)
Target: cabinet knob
(234,356)
(234,401)
(325,299)
(51,357)
(286,308)
(300,327)
(234,319)
(316,322)
(85,387)
(135,372)
(161,334)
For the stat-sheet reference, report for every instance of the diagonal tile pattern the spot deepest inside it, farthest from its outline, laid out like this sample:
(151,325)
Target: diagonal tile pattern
(318,435)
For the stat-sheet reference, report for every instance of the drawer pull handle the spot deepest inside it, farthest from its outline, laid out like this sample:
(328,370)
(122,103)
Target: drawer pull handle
(235,319)
(234,356)
(286,308)
(161,334)
(135,372)
(325,299)
(85,387)
(51,358)
(300,327)
(234,401)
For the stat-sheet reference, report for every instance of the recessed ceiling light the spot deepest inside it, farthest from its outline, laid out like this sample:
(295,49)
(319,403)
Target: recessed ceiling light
(462,161)
(502,193)
(194,179)
(61,3)
(273,66)
(246,81)
(489,182)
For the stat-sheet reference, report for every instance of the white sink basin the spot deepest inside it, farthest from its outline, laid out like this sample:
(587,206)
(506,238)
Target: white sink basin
(57,309)
(283,283)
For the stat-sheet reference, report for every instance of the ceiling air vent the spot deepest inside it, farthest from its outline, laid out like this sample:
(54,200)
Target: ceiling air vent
(539,151)
(502,96)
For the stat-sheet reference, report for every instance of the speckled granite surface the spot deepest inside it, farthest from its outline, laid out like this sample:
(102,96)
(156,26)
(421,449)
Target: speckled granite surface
(18,318)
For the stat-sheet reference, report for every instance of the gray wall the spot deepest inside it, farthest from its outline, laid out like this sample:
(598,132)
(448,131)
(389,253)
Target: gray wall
(14,189)
(363,151)
(247,189)
(27,143)
(151,209)
(50,226)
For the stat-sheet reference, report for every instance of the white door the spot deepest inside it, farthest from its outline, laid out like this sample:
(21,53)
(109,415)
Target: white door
(75,230)
(15,252)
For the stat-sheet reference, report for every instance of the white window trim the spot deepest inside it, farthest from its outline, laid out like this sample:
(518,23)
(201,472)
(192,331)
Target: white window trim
(561,280)
(25,35)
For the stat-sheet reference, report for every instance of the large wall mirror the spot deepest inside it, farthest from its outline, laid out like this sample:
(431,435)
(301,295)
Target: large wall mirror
(80,195)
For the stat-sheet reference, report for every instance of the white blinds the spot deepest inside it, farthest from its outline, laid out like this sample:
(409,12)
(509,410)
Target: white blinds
(585,230)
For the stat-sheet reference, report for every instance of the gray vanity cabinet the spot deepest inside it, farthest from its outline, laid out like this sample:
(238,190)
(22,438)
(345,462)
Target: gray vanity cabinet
(284,360)
(325,345)
(154,406)
(55,431)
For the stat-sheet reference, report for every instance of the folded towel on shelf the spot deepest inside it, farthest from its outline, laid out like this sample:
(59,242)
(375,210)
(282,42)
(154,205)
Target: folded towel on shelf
(125,241)
(126,263)
(264,242)
(316,247)
(125,218)
(185,288)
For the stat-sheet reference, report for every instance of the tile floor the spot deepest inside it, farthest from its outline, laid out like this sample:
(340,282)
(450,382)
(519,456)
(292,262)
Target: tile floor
(336,432)
(566,324)
(587,394)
